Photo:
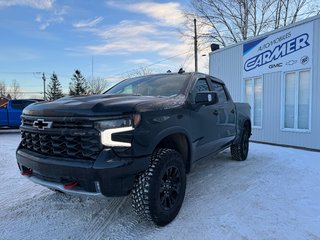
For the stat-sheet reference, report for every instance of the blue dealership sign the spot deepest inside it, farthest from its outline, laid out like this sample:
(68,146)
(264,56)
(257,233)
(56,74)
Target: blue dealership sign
(287,50)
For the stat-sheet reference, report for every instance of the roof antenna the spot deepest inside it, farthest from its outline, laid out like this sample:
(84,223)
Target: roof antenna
(181,70)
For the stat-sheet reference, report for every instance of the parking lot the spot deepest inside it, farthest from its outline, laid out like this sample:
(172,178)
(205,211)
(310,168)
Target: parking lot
(275,194)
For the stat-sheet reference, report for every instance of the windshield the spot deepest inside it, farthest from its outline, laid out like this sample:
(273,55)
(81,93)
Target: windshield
(154,85)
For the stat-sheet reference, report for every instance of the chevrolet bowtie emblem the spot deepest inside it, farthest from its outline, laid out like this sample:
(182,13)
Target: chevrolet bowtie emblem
(41,124)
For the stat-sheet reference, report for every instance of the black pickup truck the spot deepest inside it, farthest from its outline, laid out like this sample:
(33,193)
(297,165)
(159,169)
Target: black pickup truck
(139,137)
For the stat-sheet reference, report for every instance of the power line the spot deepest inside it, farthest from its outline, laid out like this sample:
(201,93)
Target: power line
(166,59)
(33,73)
(114,75)
(23,92)
(187,57)
(17,72)
(149,65)
(117,74)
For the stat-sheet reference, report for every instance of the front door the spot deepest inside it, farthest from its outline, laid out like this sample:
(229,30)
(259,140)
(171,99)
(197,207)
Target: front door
(204,119)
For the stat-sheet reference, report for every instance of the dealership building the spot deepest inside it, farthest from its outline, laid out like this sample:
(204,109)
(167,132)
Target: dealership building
(278,74)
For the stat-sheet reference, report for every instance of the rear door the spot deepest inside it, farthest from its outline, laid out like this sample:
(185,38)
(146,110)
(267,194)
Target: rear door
(226,114)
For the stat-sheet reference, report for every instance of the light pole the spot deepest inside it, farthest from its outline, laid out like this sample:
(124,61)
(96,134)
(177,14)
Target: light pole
(44,86)
(195,46)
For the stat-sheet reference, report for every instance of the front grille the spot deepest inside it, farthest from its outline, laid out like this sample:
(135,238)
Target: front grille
(64,138)
(82,147)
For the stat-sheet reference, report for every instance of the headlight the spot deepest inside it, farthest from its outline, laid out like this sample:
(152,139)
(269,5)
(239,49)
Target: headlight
(108,127)
(115,123)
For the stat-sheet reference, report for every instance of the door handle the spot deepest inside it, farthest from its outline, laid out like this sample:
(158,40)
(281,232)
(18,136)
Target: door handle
(215,112)
(232,111)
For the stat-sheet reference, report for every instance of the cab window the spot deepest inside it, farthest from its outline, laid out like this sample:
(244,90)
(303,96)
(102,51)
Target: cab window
(201,86)
(219,89)
(20,104)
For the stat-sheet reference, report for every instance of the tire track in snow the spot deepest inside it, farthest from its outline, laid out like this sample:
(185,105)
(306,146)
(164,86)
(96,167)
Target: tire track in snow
(102,221)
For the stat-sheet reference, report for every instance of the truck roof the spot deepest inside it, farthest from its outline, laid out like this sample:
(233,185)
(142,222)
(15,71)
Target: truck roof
(198,74)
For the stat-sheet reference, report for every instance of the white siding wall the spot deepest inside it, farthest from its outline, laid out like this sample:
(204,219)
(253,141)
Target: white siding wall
(226,64)
(271,128)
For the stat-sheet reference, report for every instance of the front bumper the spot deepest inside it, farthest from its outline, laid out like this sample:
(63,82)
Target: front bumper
(108,175)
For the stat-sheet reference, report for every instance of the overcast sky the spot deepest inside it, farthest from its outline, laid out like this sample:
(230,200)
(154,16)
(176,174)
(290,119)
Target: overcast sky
(61,36)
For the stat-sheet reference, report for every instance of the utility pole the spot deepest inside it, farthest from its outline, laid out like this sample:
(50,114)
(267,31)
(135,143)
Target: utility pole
(44,86)
(195,46)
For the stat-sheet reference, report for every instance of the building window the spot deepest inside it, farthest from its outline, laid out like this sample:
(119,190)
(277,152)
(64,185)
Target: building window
(253,93)
(297,101)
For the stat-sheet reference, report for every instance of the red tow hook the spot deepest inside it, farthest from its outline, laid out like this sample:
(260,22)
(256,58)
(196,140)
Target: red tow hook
(71,185)
(27,172)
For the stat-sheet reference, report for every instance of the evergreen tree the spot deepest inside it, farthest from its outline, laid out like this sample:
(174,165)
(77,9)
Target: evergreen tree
(54,88)
(78,84)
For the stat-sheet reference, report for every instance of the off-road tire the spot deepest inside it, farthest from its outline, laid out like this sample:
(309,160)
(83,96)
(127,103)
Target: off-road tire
(151,194)
(239,151)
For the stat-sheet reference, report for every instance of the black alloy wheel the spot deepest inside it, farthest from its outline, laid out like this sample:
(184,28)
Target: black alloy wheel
(170,187)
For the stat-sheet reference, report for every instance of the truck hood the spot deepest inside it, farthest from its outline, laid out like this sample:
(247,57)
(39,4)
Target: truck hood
(102,105)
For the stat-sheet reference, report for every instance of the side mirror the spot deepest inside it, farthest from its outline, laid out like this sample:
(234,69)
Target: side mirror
(206,98)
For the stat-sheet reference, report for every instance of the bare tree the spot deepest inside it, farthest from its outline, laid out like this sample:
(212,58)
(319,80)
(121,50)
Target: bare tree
(15,90)
(141,71)
(288,11)
(227,22)
(97,85)
(3,89)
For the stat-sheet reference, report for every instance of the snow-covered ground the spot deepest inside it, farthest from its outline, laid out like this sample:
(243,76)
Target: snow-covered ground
(275,194)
